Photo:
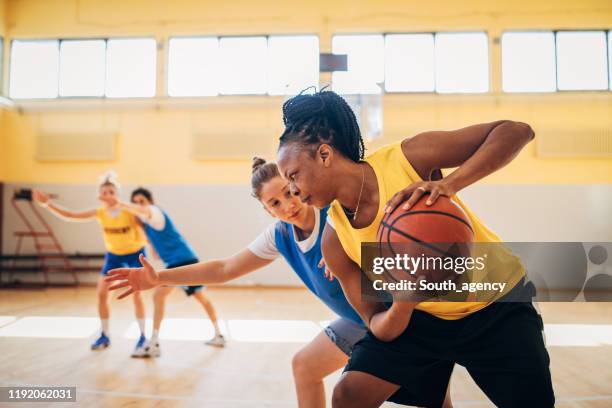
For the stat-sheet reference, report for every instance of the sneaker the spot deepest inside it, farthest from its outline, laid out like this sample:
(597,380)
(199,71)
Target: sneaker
(217,341)
(152,349)
(139,350)
(101,343)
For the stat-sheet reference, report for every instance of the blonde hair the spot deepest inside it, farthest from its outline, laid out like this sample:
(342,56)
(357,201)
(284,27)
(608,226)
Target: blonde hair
(109,179)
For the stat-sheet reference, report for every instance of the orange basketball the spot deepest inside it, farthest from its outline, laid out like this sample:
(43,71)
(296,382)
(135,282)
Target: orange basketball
(441,230)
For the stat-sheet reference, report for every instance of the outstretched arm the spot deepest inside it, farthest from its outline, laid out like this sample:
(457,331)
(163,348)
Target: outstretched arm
(385,324)
(476,151)
(211,272)
(138,210)
(43,200)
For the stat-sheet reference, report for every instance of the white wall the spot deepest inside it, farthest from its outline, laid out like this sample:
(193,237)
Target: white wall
(220,220)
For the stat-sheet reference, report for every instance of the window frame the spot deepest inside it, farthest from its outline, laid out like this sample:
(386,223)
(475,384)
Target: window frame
(219,37)
(607,34)
(384,34)
(93,98)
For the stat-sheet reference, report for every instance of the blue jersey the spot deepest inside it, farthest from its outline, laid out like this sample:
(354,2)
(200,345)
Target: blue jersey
(172,248)
(306,266)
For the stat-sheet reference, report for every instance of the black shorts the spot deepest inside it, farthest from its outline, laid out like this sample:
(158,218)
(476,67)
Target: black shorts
(189,290)
(502,347)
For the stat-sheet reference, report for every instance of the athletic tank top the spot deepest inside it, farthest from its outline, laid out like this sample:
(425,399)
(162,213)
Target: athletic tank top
(122,233)
(172,248)
(306,266)
(394,173)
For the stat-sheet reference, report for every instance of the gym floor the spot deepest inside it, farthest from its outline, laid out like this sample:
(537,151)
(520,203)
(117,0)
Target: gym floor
(45,336)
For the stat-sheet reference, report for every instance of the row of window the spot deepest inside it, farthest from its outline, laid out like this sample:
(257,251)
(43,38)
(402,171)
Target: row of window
(537,61)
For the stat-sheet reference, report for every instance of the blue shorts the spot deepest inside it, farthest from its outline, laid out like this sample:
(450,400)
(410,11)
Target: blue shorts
(112,261)
(189,290)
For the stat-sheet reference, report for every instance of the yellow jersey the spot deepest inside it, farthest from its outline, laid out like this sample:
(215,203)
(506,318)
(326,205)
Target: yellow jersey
(121,231)
(394,173)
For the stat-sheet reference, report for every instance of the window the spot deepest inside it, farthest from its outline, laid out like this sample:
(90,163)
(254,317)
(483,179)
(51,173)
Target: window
(415,62)
(193,66)
(130,67)
(528,62)
(293,64)
(243,65)
(81,68)
(77,68)
(610,59)
(550,61)
(582,60)
(34,69)
(409,63)
(274,65)
(365,60)
(1,65)
(462,62)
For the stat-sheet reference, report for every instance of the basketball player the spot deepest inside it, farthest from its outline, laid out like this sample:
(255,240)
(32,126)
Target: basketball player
(410,345)
(124,242)
(296,236)
(174,251)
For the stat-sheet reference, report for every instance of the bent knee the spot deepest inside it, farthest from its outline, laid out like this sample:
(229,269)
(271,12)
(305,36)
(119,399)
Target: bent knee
(300,365)
(344,395)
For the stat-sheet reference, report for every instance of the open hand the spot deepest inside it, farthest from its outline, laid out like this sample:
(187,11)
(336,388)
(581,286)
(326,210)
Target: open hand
(134,279)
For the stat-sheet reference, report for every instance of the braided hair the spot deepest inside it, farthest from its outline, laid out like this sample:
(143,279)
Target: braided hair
(322,117)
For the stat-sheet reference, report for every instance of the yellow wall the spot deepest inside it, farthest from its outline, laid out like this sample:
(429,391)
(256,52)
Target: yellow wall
(2,131)
(154,140)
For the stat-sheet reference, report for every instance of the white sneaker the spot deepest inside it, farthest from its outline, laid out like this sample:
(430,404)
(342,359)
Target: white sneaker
(152,349)
(139,350)
(217,341)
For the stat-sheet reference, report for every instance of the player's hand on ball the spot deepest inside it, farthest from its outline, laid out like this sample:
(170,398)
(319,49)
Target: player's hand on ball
(413,193)
(134,279)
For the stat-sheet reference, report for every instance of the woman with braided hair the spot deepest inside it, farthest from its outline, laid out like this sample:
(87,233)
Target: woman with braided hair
(412,346)
(296,236)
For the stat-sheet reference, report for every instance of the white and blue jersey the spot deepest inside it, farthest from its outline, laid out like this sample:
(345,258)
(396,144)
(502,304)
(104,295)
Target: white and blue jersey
(304,257)
(172,248)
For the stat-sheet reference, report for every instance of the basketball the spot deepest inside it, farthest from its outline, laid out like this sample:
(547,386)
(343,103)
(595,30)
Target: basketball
(441,230)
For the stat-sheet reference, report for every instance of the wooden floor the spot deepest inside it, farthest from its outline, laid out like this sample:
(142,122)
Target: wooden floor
(45,335)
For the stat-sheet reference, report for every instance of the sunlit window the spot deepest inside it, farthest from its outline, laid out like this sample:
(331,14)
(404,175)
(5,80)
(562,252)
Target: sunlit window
(366,64)
(409,63)
(243,65)
(293,64)
(528,62)
(462,62)
(34,69)
(82,68)
(130,68)
(582,62)
(193,66)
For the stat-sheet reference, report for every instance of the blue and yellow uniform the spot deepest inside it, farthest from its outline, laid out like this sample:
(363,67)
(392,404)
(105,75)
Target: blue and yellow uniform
(123,237)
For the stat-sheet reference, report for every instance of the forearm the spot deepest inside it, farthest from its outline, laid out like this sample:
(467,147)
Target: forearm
(500,147)
(389,324)
(62,212)
(140,210)
(201,273)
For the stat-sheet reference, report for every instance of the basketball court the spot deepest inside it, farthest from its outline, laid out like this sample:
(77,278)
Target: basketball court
(178,97)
